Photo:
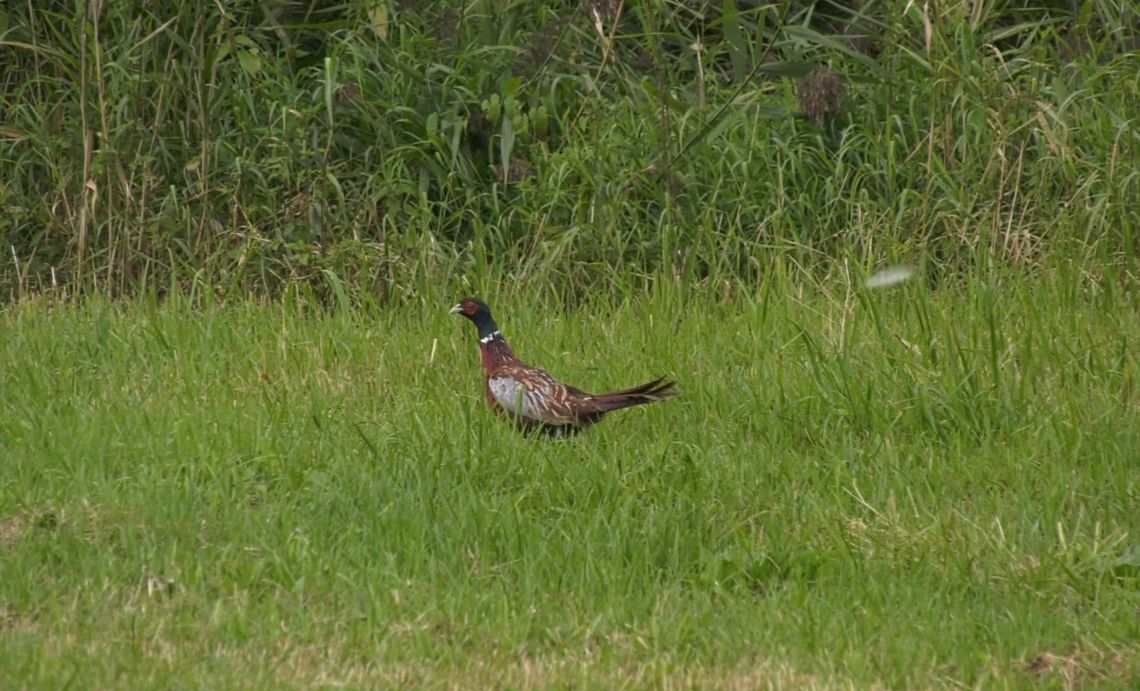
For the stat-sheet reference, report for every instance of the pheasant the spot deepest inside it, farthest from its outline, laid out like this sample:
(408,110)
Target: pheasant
(534,399)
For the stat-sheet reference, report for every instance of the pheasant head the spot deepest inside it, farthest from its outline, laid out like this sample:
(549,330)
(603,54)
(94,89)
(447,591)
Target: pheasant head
(479,314)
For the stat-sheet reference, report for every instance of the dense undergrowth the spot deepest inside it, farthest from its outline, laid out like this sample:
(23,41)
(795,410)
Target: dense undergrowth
(392,147)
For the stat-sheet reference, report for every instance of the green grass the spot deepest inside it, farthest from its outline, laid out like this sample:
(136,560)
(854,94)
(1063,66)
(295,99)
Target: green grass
(908,488)
(281,471)
(261,144)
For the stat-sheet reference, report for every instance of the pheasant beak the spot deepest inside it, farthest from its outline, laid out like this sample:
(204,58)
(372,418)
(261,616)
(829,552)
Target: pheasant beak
(455,310)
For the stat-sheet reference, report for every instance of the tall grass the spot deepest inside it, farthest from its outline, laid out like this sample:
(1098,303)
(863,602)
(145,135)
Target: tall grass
(247,147)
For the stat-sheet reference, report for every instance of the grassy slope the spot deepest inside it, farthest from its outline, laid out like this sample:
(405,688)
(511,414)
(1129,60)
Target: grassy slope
(907,488)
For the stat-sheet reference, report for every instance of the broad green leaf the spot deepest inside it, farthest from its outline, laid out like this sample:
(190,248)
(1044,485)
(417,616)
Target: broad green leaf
(380,20)
(791,70)
(813,37)
(506,143)
(250,62)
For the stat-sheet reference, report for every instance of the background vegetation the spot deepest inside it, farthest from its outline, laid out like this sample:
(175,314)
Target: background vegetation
(250,145)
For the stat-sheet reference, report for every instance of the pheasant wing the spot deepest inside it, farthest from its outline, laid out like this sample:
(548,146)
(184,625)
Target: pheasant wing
(531,393)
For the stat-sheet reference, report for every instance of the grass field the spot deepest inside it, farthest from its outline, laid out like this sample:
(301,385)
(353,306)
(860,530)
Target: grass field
(281,472)
(903,488)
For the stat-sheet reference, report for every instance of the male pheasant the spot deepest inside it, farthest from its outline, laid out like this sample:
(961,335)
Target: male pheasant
(534,399)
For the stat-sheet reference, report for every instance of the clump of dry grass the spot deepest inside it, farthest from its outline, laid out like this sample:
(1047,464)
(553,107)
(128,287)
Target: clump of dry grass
(821,95)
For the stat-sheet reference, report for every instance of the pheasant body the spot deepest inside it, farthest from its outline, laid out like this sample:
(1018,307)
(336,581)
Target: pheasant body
(531,397)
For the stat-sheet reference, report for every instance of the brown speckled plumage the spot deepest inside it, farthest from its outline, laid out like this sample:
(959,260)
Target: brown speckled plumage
(534,399)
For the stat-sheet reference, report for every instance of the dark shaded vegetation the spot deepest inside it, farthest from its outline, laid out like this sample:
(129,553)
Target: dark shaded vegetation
(393,146)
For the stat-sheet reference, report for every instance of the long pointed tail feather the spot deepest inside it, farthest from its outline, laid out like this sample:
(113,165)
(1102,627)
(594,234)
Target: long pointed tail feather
(657,390)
